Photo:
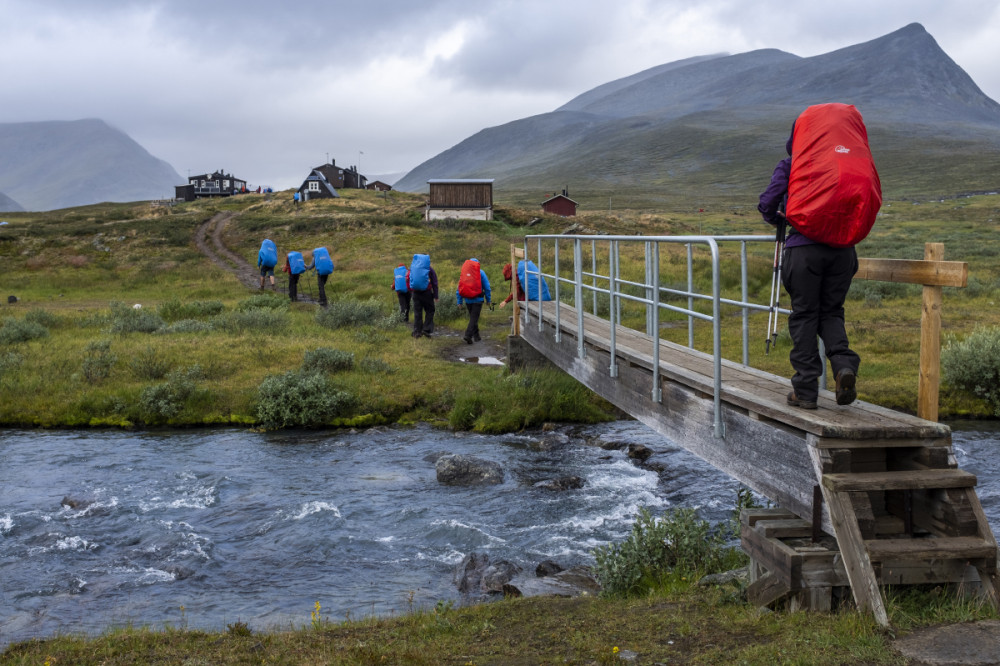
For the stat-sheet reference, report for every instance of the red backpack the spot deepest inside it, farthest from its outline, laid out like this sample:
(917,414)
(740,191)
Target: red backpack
(470,283)
(834,192)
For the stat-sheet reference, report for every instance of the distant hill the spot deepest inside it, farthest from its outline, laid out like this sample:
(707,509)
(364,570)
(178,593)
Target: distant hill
(714,126)
(57,164)
(8,205)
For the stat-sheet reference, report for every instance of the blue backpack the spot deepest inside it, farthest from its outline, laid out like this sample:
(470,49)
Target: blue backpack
(420,272)
(322,261)
(399,278)
(296,263)
(531,286)
(268,255)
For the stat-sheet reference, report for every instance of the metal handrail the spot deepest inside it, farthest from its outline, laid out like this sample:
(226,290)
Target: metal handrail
(653,295)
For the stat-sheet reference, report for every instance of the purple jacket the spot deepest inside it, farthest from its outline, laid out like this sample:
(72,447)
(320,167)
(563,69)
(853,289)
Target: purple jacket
(775,195)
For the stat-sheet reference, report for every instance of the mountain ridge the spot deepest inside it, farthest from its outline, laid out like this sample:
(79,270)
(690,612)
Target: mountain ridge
(62,163)
(716,124)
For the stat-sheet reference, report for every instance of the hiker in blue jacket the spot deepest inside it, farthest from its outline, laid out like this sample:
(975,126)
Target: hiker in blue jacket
(295,266)
(816,277)
(424,284)
(267,259)
(323,264)
(473,303)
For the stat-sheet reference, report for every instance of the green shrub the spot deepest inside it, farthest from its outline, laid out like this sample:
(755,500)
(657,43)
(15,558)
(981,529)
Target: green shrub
(148,364)
(353,313)
(10,362)
(127,319)
(43,317)
(257,320)
(161,402)
(174,310)
(98,361)
(525,399)
(300,399)
(14,331)
(187,326)
(972,365)
(447,309)
(680,542)
(325,359)
(265,301)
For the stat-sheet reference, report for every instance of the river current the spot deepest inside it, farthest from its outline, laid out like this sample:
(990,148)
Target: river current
(206,528)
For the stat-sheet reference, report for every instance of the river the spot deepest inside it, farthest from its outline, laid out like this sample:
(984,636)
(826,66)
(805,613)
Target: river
(203,528)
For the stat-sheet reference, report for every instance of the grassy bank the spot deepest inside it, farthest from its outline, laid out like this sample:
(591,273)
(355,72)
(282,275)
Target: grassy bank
(75,352)
(680,623)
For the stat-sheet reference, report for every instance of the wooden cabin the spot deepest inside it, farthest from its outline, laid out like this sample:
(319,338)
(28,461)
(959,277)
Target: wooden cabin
(215,184)
(316,186)
(379,186)
(463,198)
(560,204)
(340,177)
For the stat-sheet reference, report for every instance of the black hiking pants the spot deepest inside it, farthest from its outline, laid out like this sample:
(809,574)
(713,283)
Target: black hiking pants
(321,280)
(817,278)
(472,330)
(423,312)
(293,286)
(404,304)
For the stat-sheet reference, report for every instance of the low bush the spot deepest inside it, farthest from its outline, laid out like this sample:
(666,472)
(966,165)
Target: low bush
(10,362)
(15,331)
(972,365)
(149,364)
(447,309)
(127,319)
(300,399)
(265,301)
(375,366)
(678,543)
(325,359)
(525,399)
(256,320)
(43,317)
(161,402)
(340,314)
(174,310)
(98,361)
(188,326)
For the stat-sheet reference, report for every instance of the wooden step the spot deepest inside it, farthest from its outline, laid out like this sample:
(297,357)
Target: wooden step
(784,528)
(942,548)
(907,480)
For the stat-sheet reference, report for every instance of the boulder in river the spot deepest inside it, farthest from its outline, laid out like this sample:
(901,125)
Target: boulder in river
(561,483)
(462,470)
(639,452)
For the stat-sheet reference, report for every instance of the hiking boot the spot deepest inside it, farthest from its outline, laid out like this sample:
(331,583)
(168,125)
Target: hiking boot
(846,393)
(794,401)
(476,338)
(468,341)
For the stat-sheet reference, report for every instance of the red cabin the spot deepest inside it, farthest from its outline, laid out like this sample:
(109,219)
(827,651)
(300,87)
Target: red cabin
(560,204)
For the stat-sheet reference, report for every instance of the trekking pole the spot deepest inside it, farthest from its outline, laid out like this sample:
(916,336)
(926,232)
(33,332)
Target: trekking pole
(772,314)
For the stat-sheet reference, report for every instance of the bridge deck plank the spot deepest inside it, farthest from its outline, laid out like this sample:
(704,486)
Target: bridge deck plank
(754,390)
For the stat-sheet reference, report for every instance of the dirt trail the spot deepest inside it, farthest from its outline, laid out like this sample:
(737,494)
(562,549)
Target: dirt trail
(208,238)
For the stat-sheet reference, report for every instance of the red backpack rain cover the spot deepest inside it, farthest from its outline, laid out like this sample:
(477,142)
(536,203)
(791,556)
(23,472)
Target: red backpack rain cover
(470,283)
(834,192)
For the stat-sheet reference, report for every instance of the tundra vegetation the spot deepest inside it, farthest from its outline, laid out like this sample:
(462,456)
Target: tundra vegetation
(76,351)
(202,349)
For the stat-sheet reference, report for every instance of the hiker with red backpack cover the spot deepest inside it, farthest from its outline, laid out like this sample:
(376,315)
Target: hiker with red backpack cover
(829,192)
(473,290)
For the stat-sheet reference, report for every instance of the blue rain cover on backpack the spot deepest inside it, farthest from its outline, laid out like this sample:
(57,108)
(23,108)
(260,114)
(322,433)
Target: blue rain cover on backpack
(322,261)
(531,286)
(399,278)
(268,255)
(420,272)
(296,263)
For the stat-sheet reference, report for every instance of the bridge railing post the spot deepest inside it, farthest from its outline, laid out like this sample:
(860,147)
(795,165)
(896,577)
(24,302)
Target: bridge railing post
(556,285)
(690,283)
(655,270)
(613,303)
(648,289)
(577,294)
(538,290)
(593,271)
(719,426)
(745,296)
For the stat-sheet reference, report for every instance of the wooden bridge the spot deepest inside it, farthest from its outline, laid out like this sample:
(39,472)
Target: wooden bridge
(868,496)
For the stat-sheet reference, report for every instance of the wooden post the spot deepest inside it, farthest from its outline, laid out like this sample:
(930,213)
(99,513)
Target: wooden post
(930,342)
(516,329)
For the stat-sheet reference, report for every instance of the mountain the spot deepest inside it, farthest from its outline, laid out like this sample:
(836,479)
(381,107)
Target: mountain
(714,126)
(57,164)
(8,205)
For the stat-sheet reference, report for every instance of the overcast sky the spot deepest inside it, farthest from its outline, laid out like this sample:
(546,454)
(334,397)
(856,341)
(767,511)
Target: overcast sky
(266,89)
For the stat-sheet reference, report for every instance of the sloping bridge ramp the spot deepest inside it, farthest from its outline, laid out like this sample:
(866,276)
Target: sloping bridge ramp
(869,496)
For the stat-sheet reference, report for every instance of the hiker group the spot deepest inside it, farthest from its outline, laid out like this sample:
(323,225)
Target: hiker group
(417,286)
(295,266)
